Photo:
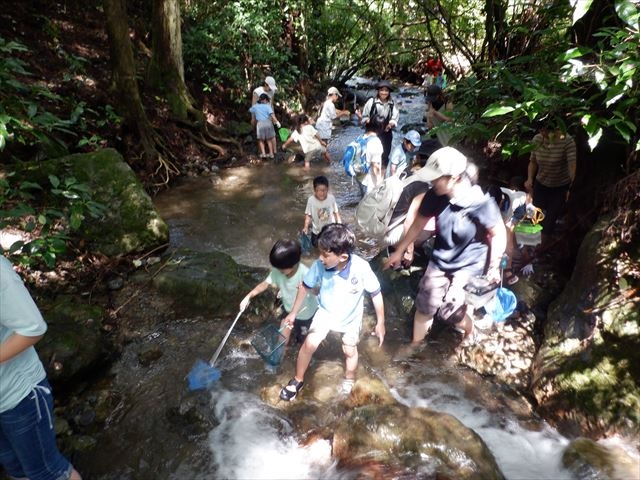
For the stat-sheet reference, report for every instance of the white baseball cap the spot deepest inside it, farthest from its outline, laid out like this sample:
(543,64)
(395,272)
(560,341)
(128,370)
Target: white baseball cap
(333,91)
(271,82)
(446,161)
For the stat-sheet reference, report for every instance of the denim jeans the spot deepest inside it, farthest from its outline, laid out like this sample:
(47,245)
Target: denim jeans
(28,441)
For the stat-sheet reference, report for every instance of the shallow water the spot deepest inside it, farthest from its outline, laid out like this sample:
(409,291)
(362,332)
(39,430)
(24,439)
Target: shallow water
(242,214)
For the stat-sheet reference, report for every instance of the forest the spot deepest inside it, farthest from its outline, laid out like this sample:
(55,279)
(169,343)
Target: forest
(167,82)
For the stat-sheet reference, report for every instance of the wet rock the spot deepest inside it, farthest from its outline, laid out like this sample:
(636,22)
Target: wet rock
(74,343)
(412,439)
(212,280)
(588,459)
(147,357)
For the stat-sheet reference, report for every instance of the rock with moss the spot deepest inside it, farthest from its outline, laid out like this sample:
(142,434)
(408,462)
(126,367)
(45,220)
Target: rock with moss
(131,223)
(589,459)
(205,281)
(586,376)
(73,345)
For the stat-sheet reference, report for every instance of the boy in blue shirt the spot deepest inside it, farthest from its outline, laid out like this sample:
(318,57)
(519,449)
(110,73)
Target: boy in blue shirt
(342,278)
(264,119)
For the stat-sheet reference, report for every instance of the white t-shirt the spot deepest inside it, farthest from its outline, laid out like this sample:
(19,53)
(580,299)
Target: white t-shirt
(322,212)
(374,155)
(260,90)
(325,120)
(307,139)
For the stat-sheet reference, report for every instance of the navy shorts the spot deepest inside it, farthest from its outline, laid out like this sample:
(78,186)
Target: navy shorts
(28,441)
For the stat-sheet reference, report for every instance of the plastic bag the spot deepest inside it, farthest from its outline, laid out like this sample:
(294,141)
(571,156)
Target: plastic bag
(502,305)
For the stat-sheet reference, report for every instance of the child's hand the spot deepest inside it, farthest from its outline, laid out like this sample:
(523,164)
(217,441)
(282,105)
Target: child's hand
(380,332)
(245,303)
(394,260)
(288,321)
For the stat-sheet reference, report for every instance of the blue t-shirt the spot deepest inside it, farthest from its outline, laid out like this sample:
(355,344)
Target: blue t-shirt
(262,111)
(341,293)
(18,314)
(461,228)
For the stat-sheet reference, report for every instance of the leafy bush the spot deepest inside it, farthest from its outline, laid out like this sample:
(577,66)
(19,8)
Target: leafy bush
(45,217)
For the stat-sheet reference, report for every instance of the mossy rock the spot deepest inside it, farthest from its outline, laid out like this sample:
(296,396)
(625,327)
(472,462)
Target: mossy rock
(131,223)
(209,281)
(586,376)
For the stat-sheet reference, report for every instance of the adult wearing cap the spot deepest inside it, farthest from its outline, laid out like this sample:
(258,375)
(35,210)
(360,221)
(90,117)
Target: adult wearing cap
(268,87)
(470,240)
(400,157)
(382,105)
(438,109)
(328,113)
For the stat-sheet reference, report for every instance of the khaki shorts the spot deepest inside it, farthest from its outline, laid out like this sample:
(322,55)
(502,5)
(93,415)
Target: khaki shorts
(322,325)
(442,289)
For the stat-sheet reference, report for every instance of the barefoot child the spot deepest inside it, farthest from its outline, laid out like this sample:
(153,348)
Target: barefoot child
(343,278)
(286,275)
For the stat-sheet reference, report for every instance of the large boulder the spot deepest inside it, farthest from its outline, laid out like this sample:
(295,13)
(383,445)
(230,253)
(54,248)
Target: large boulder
(131,223)
(586,376)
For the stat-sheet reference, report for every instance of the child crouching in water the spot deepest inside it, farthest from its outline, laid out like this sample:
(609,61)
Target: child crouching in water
(342,278)
(286,275)
(309,139)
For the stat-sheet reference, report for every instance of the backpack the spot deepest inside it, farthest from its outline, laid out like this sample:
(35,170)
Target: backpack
(374,109)
(354,159)
(376,208)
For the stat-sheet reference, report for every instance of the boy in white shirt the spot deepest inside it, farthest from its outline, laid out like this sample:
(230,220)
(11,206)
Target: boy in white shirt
(321,209)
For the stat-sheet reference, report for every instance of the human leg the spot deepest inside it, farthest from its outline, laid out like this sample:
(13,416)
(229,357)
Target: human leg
(28,441)
(431,291)
(261,148)
(272,146)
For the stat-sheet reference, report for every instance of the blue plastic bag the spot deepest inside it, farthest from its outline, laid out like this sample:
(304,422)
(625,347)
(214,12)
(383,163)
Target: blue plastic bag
(305,242)
(502,305)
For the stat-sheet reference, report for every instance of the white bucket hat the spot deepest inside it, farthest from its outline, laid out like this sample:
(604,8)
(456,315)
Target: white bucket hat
(271,82)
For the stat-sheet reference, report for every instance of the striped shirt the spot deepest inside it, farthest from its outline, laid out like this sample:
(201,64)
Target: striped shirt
(554,157)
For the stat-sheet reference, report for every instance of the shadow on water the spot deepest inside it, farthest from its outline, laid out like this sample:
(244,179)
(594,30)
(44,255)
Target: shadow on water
(160,430)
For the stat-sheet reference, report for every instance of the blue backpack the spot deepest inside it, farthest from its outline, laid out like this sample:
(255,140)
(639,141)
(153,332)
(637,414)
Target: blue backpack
(354,159)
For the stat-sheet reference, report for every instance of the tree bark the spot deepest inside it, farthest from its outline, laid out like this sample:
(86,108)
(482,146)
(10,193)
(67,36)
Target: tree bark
(126,87)
(166,69)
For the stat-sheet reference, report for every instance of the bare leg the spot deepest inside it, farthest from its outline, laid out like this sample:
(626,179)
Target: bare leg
(351,361)
(305,353)
(272,146)
(74,475)
(261,147)
(421,325)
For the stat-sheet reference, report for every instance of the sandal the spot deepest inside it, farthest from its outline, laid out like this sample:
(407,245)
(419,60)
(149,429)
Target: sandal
(289,392)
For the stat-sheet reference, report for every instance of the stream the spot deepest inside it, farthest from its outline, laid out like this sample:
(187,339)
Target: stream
(242,212)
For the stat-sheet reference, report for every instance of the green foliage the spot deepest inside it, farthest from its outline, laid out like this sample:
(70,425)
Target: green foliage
(47,217)
(230,46)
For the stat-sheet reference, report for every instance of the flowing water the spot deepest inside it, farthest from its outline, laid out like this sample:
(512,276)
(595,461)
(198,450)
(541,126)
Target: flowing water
(242,214)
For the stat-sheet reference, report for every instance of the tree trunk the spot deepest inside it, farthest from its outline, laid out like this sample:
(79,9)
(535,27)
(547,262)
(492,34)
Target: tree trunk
(166,69)
(128,94)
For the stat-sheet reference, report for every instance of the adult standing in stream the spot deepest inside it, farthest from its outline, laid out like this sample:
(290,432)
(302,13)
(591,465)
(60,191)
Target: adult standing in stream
(382,105)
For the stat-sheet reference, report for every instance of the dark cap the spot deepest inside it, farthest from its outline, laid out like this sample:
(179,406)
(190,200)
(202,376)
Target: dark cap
(384,84)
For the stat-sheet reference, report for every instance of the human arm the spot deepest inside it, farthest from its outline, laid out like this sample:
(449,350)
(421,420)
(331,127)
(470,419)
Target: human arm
(409,237)
(297,305)
(336,213)
(532,169)
(274,120)
(307,224)
(16,344)
(412,214)
(257,290)
(395,117)
(497,240)
(366,111)
(378,306)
